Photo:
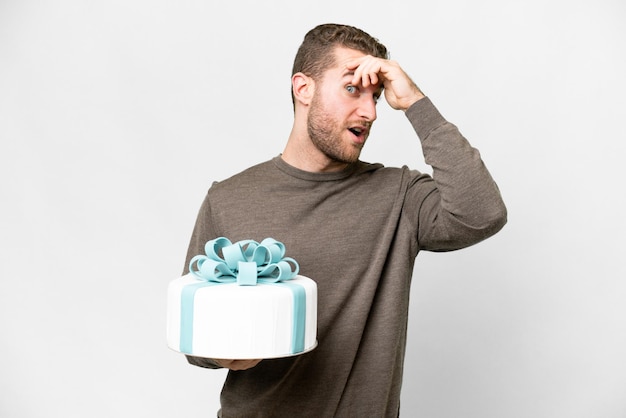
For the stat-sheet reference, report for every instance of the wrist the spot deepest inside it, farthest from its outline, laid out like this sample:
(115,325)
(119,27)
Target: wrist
(416,98)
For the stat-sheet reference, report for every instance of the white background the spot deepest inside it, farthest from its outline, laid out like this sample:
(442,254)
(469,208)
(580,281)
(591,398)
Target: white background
(115,117)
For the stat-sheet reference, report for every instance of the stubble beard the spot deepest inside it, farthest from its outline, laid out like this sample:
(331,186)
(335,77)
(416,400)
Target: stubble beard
(326,134)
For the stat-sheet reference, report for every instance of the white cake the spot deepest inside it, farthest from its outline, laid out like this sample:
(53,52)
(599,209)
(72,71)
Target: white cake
(242,301)
(228,320)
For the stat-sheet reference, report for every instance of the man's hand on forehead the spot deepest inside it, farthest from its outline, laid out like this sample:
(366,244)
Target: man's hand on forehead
(400,91)
(367,70)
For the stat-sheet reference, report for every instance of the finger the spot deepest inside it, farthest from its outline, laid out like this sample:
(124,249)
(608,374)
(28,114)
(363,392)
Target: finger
(368,72)
(373,77)
(252,363)
(244,364)
(361,68)
(225,363)
(364,75)
(236,364)
(358,71)
(353,64)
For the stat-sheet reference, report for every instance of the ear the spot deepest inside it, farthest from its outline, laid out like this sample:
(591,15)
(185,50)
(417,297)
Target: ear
(303,88)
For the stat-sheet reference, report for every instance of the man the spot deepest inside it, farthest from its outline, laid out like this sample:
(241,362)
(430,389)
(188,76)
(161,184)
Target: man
(354,227)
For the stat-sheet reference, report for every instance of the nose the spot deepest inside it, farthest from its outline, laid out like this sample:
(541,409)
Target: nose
(367,107)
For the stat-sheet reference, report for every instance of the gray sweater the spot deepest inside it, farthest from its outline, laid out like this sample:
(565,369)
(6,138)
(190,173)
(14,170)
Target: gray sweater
(356,233)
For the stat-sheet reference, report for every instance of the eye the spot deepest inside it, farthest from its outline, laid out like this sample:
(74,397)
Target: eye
(351,89)
(377,95)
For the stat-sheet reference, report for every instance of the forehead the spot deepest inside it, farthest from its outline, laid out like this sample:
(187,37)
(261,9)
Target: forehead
(344,55)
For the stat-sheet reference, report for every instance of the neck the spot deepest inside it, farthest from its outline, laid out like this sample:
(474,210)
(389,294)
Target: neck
(302,154)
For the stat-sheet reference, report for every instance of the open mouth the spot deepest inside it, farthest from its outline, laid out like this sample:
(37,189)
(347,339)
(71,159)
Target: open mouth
(360,132)
(356,131)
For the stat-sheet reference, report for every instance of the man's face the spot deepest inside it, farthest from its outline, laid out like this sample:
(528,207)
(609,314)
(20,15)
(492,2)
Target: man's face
(341,114)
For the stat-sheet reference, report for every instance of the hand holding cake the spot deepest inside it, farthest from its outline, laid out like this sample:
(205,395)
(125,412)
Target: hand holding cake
(236,365)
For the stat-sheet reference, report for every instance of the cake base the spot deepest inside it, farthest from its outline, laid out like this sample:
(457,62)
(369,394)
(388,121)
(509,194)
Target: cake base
(228,321)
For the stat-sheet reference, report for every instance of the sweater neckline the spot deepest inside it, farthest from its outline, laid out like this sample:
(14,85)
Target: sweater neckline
(292,171)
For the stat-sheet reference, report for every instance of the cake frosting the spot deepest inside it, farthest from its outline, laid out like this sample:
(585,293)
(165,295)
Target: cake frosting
(242,301)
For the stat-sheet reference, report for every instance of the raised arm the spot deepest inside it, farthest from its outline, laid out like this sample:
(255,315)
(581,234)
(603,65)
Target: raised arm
(461,204)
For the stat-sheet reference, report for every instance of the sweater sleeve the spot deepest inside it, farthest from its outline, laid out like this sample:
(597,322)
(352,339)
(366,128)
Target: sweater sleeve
(461,205)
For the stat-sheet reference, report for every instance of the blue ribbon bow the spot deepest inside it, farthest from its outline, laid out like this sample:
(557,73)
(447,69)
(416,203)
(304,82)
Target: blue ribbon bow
(245,262)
